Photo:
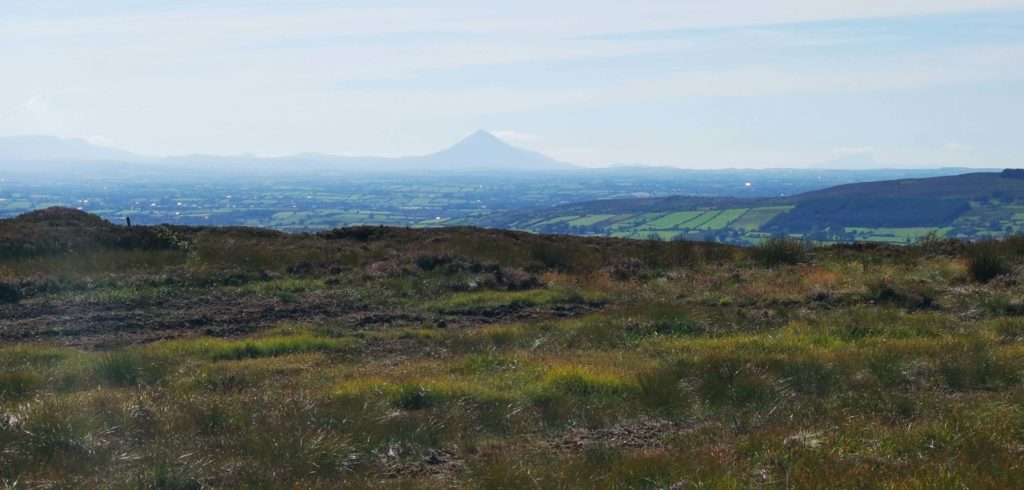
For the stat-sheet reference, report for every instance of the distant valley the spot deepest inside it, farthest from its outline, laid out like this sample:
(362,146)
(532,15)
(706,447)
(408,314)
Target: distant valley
(483,181)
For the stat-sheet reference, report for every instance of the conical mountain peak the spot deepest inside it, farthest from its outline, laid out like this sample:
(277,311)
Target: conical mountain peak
(483,151)
(482,138)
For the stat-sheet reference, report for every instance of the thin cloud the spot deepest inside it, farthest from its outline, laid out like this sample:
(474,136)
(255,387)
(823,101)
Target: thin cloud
(854,150)
(36,104)
(515,137)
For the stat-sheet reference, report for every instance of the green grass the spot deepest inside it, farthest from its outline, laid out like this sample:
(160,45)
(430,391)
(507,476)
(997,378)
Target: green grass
(580,382)
(699,221)
(591,219)
(489,300)
(723,219)
(227,349)
(900,235)
(756,218)
(672,220)
(555,220)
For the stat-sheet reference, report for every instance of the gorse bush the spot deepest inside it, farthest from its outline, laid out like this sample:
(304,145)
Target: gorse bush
(780,250)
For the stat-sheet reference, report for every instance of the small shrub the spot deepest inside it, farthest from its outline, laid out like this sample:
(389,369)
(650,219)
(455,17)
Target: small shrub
(933,244)
(431,261)
(985,264)
(780,250)
(9,293)
(514,279)
(552,255)
(627,268)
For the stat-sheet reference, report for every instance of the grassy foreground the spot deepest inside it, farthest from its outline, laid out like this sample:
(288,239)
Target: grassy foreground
(501,360)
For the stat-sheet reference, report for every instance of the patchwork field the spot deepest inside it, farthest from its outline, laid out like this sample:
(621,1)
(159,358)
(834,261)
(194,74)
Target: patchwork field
(744,223)
(174,357)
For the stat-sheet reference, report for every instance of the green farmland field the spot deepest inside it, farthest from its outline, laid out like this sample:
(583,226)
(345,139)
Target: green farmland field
(723,219)
(758,217)
(673,220)
(591,220)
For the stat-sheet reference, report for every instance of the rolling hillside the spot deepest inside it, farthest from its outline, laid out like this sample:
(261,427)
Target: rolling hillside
(971,206)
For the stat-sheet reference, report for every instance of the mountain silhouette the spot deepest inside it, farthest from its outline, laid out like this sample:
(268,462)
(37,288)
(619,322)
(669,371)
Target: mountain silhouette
(478,152)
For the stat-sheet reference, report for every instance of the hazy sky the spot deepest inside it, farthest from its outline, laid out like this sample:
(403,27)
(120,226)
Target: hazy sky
(709,83)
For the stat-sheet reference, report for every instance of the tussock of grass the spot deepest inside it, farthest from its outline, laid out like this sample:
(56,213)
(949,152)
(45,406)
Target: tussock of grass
(780,250)
(585,383)
(414,397)
(128,367)
(1008,329)
(31,355)
(17,384)
(486,364)
(227,349)
(985,264)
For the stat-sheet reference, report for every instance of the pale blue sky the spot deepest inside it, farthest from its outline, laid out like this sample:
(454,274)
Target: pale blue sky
(727,83)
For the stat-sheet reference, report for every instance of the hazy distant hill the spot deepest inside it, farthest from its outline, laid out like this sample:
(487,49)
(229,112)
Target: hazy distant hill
(857,161)
(482,151)
(479,152)
(905,203)
(40,147)
(974,185)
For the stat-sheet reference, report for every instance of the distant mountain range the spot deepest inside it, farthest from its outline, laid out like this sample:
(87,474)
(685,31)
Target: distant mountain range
(44,148)
(856,161)
(478,152)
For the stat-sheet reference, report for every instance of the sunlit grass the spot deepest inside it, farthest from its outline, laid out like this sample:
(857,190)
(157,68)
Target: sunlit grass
(488,300)
(221,349)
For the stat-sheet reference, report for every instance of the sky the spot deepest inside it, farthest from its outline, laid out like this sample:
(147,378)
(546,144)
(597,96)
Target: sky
(688,83)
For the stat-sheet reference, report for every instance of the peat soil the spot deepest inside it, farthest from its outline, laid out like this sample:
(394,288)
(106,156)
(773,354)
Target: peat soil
(115,323)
